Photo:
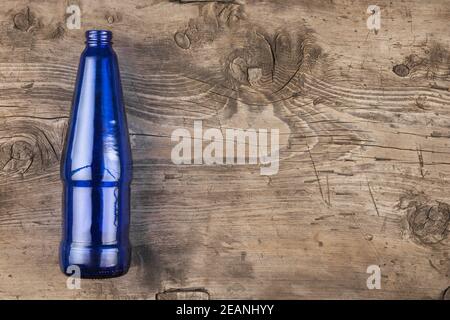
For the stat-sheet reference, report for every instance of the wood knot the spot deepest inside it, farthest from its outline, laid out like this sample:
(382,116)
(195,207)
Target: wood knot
(229,15)
(58,32)
(110,19)
(237,68)
(401,70)
(182,40)
(283,42)
(113,17)
(215,18)
(30,146)
(25,21)
(254,75)
(427,220)
(432,64)
(446,294)
(16,156)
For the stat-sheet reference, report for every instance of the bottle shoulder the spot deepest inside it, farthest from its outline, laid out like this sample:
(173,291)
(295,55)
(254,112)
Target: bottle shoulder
(97,144)
(101,157)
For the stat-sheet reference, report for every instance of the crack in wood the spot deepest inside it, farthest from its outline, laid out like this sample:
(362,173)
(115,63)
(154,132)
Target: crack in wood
(183,294)
(373,199)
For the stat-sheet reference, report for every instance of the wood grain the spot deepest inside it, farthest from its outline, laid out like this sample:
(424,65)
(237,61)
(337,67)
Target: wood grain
(364,124)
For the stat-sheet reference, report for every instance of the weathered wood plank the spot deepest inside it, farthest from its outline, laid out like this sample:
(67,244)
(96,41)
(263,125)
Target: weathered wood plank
(364,123)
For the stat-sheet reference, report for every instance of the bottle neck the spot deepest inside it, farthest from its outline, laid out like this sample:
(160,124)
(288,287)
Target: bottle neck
(98,38)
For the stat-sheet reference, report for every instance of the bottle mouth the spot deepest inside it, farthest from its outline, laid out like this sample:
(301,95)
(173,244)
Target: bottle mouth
(98,37)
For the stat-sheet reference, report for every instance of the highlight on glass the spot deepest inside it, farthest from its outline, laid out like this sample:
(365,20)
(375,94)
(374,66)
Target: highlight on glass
(96,168)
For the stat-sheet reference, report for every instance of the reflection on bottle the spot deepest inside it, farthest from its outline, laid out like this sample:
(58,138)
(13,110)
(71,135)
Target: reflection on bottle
(96,167)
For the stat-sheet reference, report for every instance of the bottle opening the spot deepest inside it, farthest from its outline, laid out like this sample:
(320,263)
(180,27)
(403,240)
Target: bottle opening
(98,37)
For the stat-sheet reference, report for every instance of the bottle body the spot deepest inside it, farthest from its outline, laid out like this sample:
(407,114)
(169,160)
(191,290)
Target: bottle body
(96,168)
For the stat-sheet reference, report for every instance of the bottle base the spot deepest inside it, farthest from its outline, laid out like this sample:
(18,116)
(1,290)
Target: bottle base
(98,274)
(107,261)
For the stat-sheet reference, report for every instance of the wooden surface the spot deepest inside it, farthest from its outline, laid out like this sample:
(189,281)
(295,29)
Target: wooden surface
(364,122)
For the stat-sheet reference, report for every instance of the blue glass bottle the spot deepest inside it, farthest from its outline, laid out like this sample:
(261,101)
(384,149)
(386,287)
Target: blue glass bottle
(96,168)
